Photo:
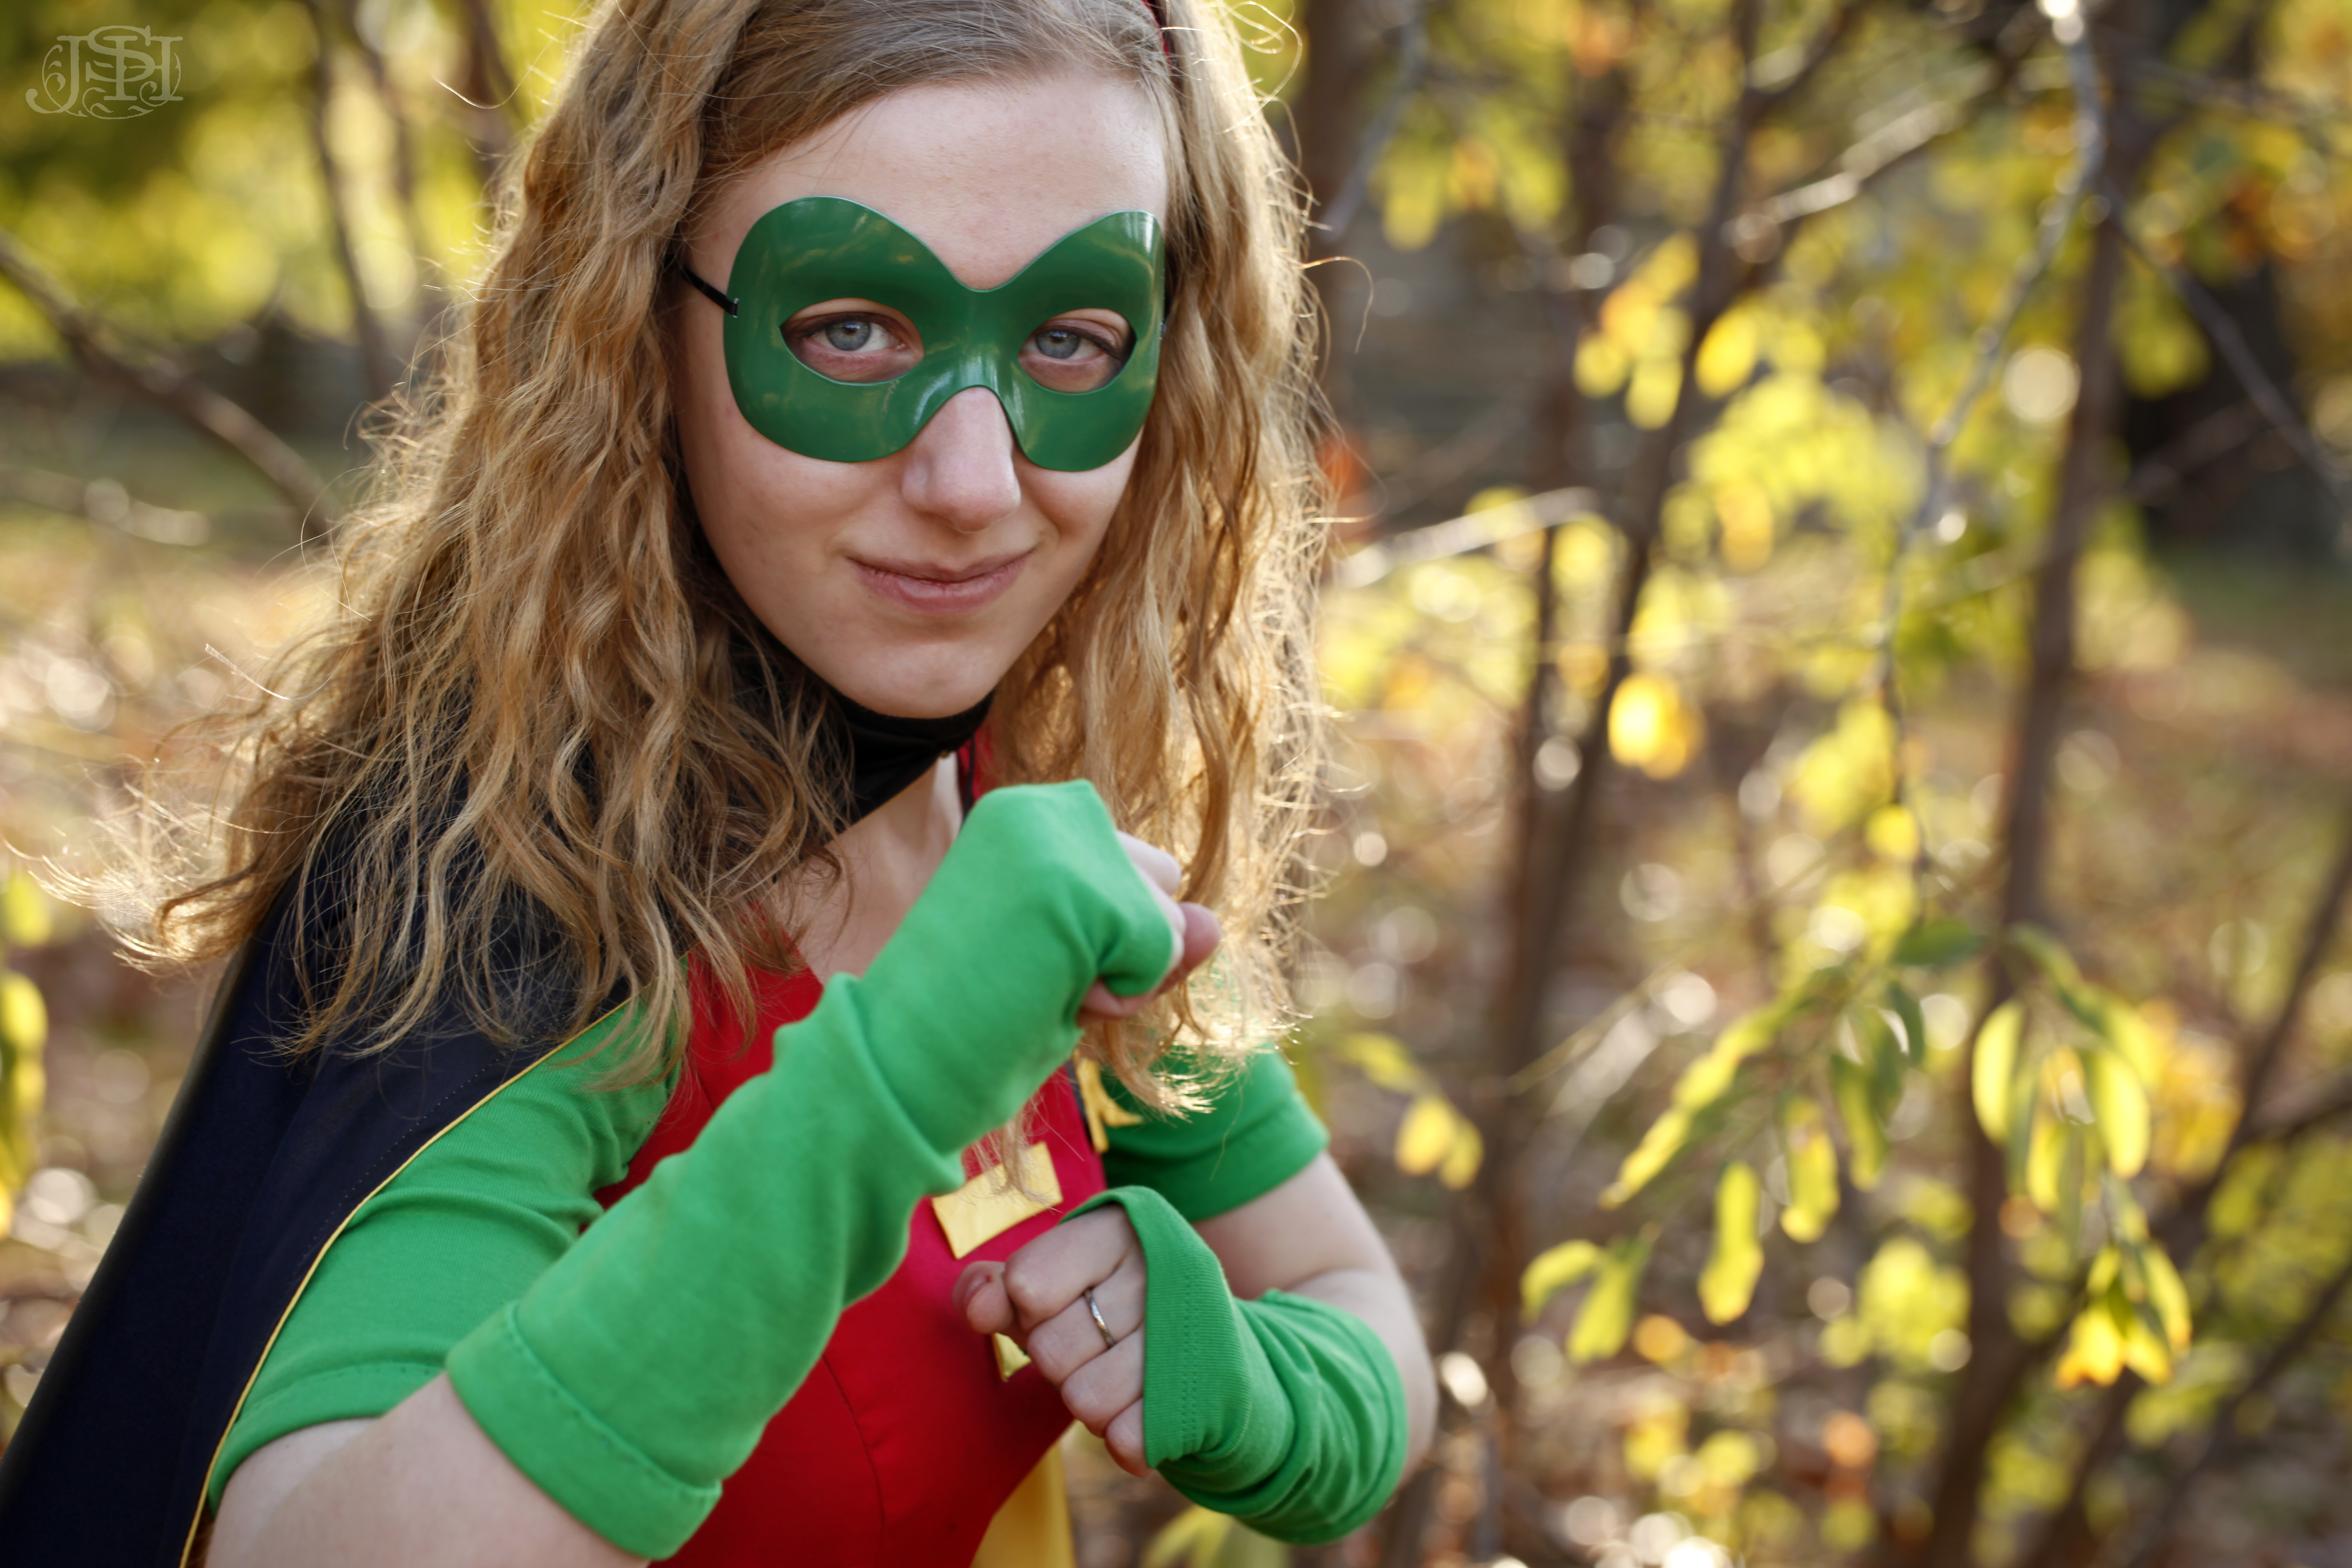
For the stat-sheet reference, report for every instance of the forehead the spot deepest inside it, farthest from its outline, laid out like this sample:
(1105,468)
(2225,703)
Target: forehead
(987,174)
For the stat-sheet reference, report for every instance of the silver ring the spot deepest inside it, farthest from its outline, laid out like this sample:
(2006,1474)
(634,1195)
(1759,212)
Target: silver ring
(1110,1341)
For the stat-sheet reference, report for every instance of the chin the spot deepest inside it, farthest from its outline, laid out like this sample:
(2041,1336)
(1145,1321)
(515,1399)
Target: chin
(937,686)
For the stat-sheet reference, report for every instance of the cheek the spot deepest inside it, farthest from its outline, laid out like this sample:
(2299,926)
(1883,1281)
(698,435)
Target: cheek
(1081,505)
(759,505)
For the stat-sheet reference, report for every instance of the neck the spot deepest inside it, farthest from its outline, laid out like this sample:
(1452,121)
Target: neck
(887,858)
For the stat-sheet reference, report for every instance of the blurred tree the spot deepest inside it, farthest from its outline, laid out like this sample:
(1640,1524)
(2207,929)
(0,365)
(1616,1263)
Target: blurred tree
(1837,984)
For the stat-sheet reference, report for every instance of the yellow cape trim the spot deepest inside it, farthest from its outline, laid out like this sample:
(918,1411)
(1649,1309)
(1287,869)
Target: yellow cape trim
(188,1545)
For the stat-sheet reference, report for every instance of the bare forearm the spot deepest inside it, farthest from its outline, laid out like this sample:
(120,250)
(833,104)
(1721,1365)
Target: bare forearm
(422,1484)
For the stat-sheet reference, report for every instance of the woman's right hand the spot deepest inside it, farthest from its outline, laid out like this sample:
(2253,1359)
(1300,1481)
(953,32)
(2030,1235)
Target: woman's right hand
(1195,925)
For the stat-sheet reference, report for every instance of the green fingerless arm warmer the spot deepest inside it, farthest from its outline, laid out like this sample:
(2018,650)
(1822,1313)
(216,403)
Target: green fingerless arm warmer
(639,1371)
(1287,1413)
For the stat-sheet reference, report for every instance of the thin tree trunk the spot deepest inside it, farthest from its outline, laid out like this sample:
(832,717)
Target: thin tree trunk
(2067,1537)
(1556,850)
(487,87)
(403,141)
(375,358)
(1999,1360)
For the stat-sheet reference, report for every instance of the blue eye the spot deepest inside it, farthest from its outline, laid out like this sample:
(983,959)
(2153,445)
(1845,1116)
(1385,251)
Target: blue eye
(1060,342)
(849,334)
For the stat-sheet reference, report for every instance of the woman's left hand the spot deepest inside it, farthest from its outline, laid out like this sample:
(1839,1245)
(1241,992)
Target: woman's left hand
(1038,1299)
(1195,926)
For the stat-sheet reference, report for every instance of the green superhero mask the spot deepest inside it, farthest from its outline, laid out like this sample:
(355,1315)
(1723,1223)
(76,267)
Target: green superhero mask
(822,248)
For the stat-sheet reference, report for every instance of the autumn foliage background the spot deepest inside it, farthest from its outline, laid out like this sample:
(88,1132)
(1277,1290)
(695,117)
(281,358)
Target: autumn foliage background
(1831,972)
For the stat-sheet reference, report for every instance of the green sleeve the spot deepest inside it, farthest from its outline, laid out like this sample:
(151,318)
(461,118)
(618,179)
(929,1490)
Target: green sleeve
(1286,1411)
(637,1373)
(1256,1134)
(460,1231)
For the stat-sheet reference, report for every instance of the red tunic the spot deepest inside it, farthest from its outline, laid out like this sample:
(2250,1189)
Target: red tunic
(905,1439)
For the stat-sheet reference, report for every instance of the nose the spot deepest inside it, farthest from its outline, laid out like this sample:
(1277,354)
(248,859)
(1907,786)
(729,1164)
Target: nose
(959,466)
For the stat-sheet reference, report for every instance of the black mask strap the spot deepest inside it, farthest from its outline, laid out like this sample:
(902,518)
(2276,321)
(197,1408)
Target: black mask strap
(678,265)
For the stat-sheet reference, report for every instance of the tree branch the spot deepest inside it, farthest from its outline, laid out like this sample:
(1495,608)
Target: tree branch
(2276,408)
(168,387)
(2184,1230)
(1412,63)
(2002,1362)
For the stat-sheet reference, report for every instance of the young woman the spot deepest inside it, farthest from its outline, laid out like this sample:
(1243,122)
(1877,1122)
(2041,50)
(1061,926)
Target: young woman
(643,1123)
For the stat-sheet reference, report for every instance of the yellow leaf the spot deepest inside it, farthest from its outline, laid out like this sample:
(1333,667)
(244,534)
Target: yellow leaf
(1658,1338)
(1193,1536)
(1994,1066)
(1555,1269)
(1729,355)
(25,918)
(2145,1351)
(1607,1314)
(1893,834)
(1729,1279)
(1460,1166)
(1812,1172)
(2167,1295)
(1652,728)
(2134,1038)
(23,1017)
(1657,385)
(1658,1145)
(2046,1160)
(2094,1348)
(1425,1135)
(1602,366)
(2120,1104)
(1384,1059)
(1745,511)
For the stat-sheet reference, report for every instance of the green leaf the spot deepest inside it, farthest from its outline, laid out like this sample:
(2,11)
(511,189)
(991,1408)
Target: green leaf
(1701,1085)
(1555,1269)
(1994,1066)
(1938,944)
(1729,1282)
(1607,1316)
(2120,1104)
(2049,955)
(1882,1058)
(1866,1134)
(1906,1008)
(1812,1171)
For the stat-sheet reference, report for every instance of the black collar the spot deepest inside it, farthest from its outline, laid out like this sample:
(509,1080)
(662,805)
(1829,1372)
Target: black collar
(887,754)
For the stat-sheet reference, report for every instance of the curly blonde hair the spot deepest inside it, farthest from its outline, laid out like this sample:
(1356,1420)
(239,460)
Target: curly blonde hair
(538,699)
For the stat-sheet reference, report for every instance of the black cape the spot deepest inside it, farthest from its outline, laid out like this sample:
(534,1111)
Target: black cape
(260,1164)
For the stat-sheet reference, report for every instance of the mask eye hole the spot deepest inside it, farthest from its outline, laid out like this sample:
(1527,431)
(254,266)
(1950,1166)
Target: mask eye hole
(1077,353)
(854,340)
